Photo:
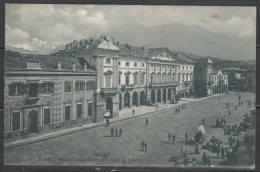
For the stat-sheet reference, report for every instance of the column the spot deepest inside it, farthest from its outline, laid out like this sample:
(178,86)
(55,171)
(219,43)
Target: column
(117,72)
(167,96)
(98,62)
(114,83)
(155,95)
(123,103)
(131,99)
(171,74)
(138,100)
(166,75)
(161,95)
(176,74)
(147,73)
(154,78)
(102,72)
(181,78)
(160,73)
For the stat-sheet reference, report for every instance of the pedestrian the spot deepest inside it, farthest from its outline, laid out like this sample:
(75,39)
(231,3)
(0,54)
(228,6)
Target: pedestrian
(142,144)
(222,152)
(173,138)
(181,150)
(224,122)
(133,112)
(239,103)
(116,131)
(120,132)
(186,137)
(218,151)
(146,121)
(145,146)
(176,111)
(217,123)
(229,112)
(112,132)
(107,121)
(219,97)
(204,158)
(203,121)
(169,137)
(196,150)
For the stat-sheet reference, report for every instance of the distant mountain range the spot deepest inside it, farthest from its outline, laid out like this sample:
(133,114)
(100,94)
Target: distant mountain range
(24,51)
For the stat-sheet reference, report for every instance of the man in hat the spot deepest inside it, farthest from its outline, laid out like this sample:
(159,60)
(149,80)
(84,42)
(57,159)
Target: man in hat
(186,137)
(173,138)
(116,131)
(146,121)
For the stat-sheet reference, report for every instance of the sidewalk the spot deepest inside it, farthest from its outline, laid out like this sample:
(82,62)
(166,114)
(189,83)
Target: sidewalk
(123,115)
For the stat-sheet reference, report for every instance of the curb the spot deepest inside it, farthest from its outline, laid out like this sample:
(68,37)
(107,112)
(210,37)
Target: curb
(37,139)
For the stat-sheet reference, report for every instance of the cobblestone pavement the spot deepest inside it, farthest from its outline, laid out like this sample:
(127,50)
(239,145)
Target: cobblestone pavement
(96,147)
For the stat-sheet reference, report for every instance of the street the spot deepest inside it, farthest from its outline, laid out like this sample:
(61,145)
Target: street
(96,146)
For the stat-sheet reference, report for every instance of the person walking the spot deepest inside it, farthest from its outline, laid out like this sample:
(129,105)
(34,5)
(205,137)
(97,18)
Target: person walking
(229,112)
(142,144)
(116,131)
(112,132)
(169,137)
(120,132)
(173,138)
(146,121)
(203,121)
(224,121)
(145,146)
(186,137)
(133,112)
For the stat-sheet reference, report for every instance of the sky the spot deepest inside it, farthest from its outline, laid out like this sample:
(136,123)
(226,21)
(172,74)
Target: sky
(47,26)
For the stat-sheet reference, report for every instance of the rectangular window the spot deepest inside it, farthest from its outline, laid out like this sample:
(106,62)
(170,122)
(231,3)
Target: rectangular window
(151,65)
(108,60)
(142,64)
(107,81)
(127,64)
(119,63)
(79,86)
(16,89)
(119,80)
(135,64)
(67,86)
(79,110)
(67,113)
(16,121)
(47,116)
(142,79)
(89,109)
(127,80)
(135,79)
(48,87)
(90,85)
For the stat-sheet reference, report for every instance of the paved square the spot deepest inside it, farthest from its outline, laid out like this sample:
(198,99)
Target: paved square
(96,147)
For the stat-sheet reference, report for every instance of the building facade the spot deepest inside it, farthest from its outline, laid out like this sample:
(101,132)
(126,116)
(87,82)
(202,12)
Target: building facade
(47,94)
(237,78)
(218,81)
(132,76)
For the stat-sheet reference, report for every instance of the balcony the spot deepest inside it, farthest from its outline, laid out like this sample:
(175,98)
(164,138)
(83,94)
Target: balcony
(162,84)
(109,90)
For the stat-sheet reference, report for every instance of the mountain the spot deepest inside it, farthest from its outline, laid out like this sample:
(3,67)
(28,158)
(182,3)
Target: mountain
(190,39)
(24,51)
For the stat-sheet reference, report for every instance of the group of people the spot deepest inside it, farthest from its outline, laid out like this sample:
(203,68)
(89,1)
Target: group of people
(116,131)
(227,105)
(171,138)
(221,123)
(177,110)
(183,106)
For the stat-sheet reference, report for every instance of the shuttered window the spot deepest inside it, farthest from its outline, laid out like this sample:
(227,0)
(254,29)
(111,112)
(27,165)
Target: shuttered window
(17,89)
(79,86)
(90,85)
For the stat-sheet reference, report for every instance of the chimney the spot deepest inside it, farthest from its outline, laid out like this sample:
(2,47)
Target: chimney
(85,66)
(59,65)
(74,66)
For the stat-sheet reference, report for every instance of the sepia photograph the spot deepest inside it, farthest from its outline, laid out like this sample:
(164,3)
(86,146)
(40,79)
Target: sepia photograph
(130,85)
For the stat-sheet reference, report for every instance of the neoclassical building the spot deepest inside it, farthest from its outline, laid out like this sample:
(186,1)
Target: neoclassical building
(132,76)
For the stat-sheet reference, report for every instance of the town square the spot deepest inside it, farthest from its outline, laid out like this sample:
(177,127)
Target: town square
(90,146)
